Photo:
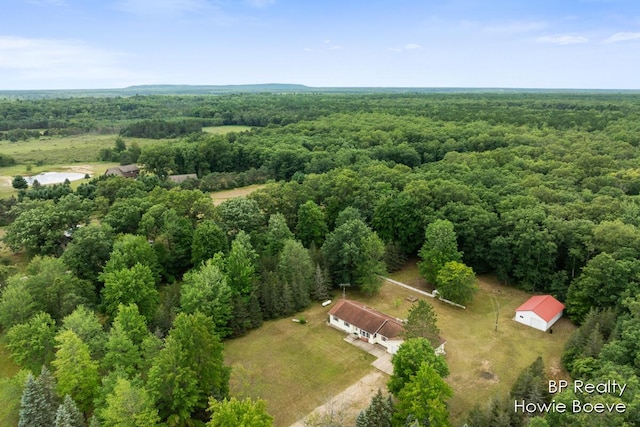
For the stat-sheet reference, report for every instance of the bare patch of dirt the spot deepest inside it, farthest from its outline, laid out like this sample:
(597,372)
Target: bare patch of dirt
(86,169)
(486,373)
(347,405)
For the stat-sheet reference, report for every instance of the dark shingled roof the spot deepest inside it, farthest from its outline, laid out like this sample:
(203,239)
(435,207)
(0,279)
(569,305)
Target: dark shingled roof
(367,319)
(128,168)
(181,178)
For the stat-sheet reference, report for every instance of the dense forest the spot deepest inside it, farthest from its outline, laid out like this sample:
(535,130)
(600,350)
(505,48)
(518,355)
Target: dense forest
(132,284)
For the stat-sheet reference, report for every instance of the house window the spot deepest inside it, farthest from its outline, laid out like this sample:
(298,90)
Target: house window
(335,319)
(384,339)
(521,316)
(346,324)
(364,333)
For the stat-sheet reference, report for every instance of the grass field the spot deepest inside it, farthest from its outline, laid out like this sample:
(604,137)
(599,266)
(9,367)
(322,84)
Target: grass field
(484,362)
(67,149)
(220,130)
(294,367)
(297,367)
(220,196)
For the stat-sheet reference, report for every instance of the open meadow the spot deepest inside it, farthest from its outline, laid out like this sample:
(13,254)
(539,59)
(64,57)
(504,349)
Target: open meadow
(298,367)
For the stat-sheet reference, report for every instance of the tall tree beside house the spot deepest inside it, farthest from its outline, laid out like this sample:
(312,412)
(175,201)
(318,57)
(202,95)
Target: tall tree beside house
(440,246)
(128,250)
(296,269)
(407,361)
(423,400)
(422,323)
(321,286)
(354,255)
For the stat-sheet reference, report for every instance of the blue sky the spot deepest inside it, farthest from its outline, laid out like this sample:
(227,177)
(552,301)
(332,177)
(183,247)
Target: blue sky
(63,44)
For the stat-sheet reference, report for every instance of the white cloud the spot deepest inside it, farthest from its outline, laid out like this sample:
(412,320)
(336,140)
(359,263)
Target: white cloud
(563,40)
(161,7)
(57,60)
(622,37)
(260,4)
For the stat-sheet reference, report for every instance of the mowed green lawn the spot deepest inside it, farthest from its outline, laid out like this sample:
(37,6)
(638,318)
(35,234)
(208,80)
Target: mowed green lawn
(484,363)
(294,367)
(298,367)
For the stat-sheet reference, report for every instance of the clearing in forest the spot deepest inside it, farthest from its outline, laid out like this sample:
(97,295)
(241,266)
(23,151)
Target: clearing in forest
(296,368)
(220,196)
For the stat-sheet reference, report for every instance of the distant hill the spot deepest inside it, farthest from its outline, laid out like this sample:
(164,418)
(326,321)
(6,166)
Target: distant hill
(265,88)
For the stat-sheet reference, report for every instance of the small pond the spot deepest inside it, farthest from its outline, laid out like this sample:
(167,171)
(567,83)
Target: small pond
(54,177)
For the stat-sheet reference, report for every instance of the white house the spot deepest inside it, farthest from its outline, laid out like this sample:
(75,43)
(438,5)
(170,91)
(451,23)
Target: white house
(540,312)
(370,325)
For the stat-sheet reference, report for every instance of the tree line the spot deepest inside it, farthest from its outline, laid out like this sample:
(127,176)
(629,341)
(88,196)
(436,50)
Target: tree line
(541,190)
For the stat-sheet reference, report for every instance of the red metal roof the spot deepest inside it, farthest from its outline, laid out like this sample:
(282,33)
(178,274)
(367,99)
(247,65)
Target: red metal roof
(545,306)
(367,319)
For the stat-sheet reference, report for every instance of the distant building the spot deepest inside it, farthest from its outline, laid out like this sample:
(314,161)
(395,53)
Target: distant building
(370,325)
(540,312)
(126,171)
(181,178)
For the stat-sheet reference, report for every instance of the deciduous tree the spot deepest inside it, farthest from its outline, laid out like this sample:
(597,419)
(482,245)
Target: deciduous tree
(239,413)
(407,361)
(440,246)
(456,282)
(134,285)
(76,372)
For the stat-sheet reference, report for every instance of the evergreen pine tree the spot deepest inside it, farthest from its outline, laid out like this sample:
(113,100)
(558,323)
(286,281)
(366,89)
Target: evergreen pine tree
(320,290)
(68,414)
(32,404)
(378,413)
(39,400)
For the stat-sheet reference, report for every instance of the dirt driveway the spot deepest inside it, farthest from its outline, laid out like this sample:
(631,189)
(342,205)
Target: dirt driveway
(347,405)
